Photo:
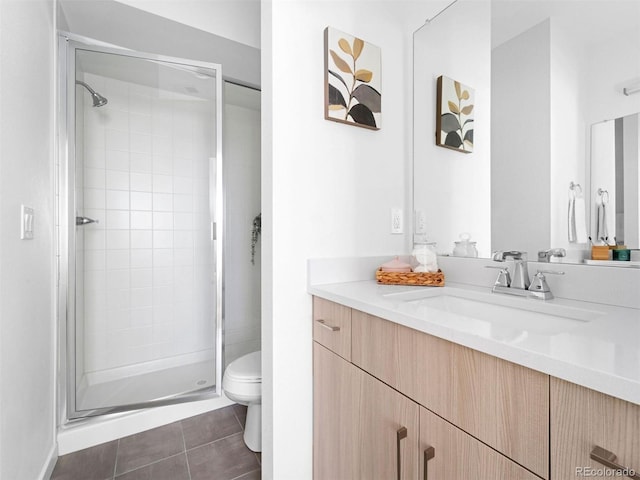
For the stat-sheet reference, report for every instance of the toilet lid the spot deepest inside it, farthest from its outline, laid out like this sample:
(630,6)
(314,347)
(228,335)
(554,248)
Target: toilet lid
(246,369)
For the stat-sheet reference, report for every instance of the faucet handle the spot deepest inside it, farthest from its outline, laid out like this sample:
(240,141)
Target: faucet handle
(545,255)
(501,256)
(504,278)
(539,282)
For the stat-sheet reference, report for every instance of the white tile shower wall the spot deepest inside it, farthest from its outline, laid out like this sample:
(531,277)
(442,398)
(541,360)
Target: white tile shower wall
(148,264)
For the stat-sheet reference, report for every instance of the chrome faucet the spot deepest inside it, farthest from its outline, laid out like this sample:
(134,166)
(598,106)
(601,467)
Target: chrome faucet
(546,255)
(520,277)
(520,284)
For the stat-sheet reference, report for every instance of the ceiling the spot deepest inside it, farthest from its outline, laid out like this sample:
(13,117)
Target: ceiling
(588,21)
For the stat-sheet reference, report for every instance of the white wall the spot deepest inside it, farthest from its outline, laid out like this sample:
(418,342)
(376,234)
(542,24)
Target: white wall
(241,155)
(327,190)
(453,188)
(609,69)
(567,128)
(27,359)
(520,140)
(237,20)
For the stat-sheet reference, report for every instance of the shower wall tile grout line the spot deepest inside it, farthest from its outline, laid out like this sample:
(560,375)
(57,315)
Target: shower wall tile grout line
(149,464)
(184,446)
(115,463)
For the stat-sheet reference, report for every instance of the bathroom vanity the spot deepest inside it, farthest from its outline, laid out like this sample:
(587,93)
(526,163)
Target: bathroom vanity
(408,385)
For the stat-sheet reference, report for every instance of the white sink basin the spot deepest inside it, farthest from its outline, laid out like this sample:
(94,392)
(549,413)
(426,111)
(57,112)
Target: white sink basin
(499,315)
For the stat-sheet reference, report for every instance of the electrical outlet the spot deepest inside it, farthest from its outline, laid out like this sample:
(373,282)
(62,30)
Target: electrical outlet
(396,221)
(421,222)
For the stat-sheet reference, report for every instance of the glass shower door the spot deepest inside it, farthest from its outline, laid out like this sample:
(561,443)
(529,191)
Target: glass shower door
(145,230)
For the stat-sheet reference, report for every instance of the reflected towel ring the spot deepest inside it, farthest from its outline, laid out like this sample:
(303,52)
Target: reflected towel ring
(602,194)
(575,189)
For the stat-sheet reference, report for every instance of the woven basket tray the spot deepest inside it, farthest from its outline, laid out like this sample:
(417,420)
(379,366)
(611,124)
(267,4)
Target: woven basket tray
(411,278)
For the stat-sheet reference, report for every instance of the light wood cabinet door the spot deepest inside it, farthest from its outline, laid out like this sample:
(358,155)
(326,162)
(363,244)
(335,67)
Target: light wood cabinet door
(503,404)
(386,432)
(332,326)
(333,397)
(362,428)
(448,453)
(582,419)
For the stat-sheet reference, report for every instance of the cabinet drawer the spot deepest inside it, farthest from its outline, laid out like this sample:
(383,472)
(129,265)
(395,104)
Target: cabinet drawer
(332,326)
(582,419)
(449,453)
(504,405)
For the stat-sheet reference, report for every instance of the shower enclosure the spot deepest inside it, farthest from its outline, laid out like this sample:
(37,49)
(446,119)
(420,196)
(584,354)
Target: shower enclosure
(140,226)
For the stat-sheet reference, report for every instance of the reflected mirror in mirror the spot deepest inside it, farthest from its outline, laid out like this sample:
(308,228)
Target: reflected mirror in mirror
(543,73)
(614,215)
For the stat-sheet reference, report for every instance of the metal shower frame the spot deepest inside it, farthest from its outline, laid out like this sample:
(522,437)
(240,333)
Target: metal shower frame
(65,232)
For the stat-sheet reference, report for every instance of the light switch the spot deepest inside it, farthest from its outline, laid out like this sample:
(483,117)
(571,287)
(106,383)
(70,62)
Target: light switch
(26,223)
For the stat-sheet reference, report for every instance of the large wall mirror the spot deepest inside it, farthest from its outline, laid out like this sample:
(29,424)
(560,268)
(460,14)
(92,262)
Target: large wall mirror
(550,111)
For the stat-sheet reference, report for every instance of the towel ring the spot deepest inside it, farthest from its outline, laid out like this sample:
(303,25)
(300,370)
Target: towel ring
(573,187)
(602,193)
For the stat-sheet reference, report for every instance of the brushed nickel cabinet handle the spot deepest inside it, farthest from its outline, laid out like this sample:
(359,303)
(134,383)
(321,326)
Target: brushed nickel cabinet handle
(333,328)
(400,434)
(429,453)
(608,459)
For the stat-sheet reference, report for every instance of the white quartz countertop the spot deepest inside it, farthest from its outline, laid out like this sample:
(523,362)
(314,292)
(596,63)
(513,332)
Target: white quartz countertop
(590,344)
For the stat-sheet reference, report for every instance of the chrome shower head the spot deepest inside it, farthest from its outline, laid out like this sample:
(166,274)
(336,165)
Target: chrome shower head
(98,100)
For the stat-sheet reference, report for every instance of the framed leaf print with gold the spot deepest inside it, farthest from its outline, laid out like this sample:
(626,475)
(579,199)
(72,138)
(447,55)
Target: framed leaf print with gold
(454,115)
(352,80)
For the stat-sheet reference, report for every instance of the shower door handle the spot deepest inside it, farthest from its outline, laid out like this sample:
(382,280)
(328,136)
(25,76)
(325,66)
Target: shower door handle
(85,221)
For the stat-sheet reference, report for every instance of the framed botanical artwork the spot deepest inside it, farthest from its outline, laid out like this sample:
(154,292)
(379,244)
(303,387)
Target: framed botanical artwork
(454,115)
(352,80)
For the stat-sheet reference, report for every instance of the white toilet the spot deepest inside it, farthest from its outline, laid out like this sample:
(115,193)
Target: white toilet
(242,383)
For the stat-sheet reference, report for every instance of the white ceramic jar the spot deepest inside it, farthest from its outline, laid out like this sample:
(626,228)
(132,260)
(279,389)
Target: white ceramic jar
(425,255)
(465,247)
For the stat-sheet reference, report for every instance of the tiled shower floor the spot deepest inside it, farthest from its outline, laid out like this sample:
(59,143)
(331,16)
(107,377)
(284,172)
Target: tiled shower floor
(207,446)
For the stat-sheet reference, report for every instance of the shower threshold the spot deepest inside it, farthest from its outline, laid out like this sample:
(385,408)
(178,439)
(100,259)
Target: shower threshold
(145,382)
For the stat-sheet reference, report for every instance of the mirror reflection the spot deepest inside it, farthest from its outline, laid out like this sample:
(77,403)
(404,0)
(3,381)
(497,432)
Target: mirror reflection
(543,73)
(615,216)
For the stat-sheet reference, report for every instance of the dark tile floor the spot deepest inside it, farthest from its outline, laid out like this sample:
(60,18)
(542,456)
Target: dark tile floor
(207,446)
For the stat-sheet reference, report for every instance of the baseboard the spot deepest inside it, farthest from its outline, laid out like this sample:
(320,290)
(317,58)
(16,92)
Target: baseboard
(50,464)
